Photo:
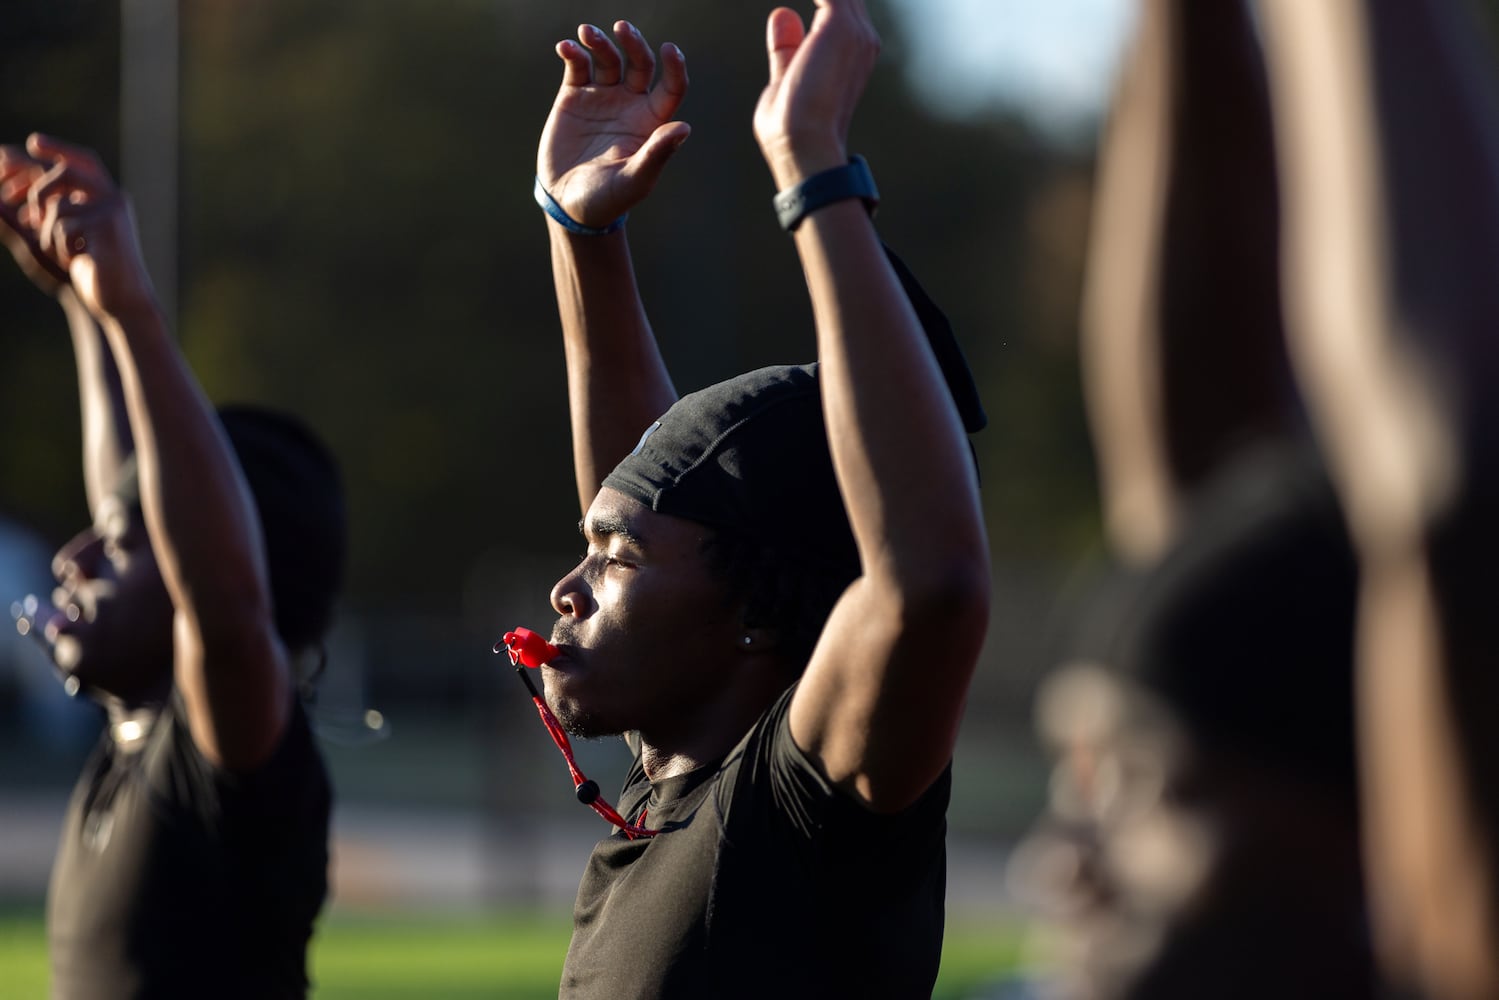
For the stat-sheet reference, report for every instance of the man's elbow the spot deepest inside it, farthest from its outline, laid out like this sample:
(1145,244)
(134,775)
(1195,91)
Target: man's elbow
(949,600)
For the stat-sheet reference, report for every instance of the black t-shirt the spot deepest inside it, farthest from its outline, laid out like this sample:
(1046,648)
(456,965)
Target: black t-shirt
(176,878)
(766,881)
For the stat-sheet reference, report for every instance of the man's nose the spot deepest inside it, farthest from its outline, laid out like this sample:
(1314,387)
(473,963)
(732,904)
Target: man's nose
(571,596)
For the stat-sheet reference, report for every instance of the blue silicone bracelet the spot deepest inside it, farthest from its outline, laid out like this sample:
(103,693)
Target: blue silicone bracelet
(550,207)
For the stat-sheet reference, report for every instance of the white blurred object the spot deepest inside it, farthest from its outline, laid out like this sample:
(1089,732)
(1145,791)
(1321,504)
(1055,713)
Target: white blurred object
(1055,62)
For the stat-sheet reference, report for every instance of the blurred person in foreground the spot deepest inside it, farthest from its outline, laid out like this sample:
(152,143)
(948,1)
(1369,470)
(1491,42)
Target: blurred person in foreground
(1204,837)
(786,586)
(193,856)
(1388,139)
(1384,153)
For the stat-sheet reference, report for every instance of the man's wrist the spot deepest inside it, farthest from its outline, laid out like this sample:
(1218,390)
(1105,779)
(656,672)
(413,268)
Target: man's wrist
(826,187)
(559,215)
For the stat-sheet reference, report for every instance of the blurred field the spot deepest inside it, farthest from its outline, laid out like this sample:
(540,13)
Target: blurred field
(509,957)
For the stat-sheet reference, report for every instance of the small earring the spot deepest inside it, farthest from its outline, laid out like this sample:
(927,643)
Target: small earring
(747,640)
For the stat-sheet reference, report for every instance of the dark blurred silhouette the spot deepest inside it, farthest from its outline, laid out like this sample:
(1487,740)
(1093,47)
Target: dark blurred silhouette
(1203,832)
(193,855)
(1389,157)
(1383,151)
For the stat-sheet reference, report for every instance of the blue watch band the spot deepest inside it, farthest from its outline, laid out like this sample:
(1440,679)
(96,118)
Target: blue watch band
(550,207)
(853,180)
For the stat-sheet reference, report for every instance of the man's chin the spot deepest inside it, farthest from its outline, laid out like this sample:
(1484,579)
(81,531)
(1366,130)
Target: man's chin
(578,722)
(565,695)
(583,725)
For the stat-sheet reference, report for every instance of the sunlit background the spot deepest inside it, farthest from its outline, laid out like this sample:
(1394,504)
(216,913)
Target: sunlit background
(336,199)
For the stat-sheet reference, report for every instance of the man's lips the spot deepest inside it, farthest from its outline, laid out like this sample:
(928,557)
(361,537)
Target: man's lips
(566,658)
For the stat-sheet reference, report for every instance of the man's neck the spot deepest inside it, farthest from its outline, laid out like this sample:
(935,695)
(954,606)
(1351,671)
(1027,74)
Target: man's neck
(712,732)
(662,764)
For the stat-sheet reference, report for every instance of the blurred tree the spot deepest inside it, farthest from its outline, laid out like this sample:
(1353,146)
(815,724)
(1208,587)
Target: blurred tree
(359,245)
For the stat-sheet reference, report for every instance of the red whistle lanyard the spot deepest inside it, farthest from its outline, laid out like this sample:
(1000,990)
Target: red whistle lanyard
(527,649)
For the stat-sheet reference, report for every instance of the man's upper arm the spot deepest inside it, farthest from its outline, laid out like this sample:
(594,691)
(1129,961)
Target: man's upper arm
(879,705)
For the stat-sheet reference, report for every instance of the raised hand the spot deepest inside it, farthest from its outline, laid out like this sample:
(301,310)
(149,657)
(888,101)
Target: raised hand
(76,222)
(816,80)
(611,132)
(18,172)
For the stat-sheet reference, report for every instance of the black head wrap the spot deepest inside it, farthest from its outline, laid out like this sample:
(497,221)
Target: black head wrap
(750,454)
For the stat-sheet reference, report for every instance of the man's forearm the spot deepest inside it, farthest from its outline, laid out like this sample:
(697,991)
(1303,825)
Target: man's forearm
(101,401)
(617,382)
(201,518)
(897,443)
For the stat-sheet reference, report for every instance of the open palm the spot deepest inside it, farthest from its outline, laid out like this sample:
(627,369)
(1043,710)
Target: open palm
(610,131)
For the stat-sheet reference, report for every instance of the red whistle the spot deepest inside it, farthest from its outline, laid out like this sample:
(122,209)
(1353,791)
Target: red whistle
(526,647)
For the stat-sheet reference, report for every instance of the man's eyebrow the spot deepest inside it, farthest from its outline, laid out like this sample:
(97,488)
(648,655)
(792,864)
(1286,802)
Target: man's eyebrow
(607,524)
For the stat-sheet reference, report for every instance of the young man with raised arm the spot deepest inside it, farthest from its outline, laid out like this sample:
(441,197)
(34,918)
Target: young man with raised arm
(786,583)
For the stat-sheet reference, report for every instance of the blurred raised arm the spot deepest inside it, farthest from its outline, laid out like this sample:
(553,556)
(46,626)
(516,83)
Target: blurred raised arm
(1184,356)
(1390,162)
(229,665)
(106,427)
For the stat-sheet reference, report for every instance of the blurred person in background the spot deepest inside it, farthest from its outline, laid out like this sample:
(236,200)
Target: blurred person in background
(193,857)
(786,581)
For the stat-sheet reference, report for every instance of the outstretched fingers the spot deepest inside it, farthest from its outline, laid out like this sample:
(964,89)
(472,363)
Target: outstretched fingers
(66,227)
(595,60)
(671,89)
(18,229)
(85,161)
(42,200)
(608,64)
(577,65)
(17,172)
(640,64)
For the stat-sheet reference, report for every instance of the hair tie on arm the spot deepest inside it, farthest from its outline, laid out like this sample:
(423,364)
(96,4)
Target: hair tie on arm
(550,207)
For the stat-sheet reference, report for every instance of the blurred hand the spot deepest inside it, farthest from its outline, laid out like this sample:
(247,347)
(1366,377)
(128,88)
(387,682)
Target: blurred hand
(610,132)
(77,226)
(18,172)
(816,80)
